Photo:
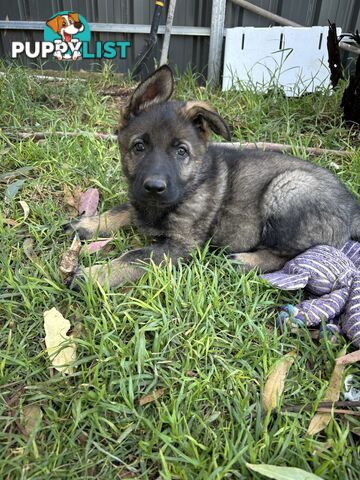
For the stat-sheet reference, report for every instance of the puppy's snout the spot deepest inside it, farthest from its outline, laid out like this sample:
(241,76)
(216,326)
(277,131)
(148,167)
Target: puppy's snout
(78,25)
(155,185)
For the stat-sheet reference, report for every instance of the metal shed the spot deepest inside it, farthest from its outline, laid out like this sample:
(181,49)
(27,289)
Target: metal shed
(189,47)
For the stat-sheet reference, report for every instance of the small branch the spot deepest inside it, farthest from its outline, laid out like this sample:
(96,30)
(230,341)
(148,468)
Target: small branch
(42,135)
(330,406)
(352,357)
(274,147)
(279,147)
(354,413)
(48,78)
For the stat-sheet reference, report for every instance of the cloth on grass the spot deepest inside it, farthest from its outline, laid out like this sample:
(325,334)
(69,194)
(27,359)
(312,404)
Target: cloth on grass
(333,276)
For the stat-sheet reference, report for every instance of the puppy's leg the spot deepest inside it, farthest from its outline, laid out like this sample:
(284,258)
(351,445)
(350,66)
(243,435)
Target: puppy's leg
(130,266)
(105,224)
(264,260)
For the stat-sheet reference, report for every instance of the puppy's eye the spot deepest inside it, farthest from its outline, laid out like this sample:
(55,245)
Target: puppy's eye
(182,152)
(139,147)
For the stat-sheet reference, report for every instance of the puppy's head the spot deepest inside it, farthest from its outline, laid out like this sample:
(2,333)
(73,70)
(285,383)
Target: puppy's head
(163,144)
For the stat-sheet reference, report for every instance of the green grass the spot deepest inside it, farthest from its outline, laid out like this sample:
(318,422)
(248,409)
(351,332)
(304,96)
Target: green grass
(202,332)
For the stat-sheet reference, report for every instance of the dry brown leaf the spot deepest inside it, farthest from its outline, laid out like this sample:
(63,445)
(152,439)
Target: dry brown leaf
(352,357)
(275,382)
(72,200)
(56,328)
(70,259)
(332,394)
(31,418)
(28,247)
(9,221)
(152,396)
(25,208)
(99,245)
(89,202)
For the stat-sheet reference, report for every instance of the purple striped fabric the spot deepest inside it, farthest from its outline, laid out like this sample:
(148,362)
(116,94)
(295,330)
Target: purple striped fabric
(333,276)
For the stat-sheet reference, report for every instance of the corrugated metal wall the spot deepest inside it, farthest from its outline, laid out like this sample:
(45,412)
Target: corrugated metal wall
(185,51)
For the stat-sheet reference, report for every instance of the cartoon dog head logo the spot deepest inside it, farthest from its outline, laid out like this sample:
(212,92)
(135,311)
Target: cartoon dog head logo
(66,25)
(67,30)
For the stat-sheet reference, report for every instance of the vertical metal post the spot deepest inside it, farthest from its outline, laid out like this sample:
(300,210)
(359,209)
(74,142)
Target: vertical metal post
(216,40)
(168,27)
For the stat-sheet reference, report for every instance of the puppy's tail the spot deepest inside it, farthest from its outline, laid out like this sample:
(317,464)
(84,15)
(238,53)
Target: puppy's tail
(355,225)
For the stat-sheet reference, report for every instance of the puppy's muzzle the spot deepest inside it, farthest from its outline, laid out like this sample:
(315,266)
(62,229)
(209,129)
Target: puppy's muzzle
(155,185)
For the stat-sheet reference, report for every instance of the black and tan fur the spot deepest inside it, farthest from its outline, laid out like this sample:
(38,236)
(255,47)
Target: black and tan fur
(263,207)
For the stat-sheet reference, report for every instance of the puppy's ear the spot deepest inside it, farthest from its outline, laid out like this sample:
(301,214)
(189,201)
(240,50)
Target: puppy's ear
(203,118)
(74,16)
(155,89)
(54,24)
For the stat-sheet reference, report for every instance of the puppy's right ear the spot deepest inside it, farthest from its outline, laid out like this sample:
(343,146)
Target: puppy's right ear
(155,89)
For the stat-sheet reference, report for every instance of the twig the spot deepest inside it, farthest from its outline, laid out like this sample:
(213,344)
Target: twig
(352,357)
(43,135)
(327,405)
(275,147)
(48,78)
(279,147)
(355,413)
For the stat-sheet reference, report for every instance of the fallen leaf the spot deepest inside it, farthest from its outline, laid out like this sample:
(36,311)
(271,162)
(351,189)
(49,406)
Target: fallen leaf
(56,328)
(282,473)
(152,396)
(96,246)
(28,247)
(70,259)
(5,177)
(275,382)
(72,200)
(12,189)
(332,394)
(31,418)
(352,357)
(9,221)
(89,202)
(25,208)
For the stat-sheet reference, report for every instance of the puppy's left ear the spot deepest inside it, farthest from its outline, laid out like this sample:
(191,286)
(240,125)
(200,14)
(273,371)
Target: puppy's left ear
(203,117)
(155,89)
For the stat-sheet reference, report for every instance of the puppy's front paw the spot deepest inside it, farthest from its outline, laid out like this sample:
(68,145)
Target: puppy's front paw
(85,227)
(95,274)
(243,261)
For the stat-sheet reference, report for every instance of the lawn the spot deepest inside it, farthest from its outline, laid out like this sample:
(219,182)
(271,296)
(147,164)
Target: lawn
(201,335)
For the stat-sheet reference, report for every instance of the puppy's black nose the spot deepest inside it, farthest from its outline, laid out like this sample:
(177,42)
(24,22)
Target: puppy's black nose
(155,185)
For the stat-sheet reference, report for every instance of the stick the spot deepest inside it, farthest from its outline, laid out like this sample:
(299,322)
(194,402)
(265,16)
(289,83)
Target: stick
(48,78)
(168,27)
(349,358)
(284,21)
(328,405)
(279,147)
(275,147)
(43,135)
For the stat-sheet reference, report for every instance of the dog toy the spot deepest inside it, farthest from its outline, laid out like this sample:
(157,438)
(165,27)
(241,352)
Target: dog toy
(333,276)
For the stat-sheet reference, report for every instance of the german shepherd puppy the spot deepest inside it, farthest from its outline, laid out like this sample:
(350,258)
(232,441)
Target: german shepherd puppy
(264,207)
